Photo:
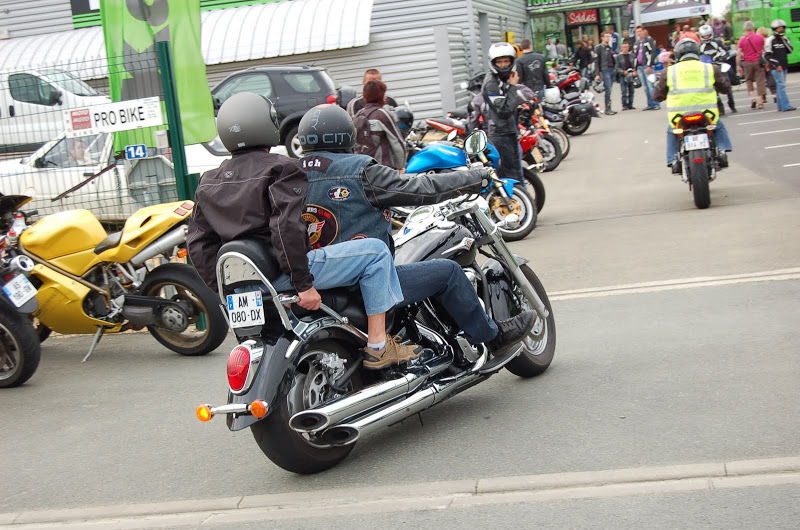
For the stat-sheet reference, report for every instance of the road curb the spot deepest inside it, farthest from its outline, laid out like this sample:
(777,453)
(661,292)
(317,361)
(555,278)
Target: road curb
(428,496)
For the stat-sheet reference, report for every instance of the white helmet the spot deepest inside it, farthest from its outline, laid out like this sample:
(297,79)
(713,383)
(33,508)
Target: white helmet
(502,49)
(779,23)
(706,31)
(552,95)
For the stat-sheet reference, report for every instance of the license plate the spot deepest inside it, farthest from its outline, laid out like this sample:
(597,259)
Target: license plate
(245,309)
(696,141)
(19,290)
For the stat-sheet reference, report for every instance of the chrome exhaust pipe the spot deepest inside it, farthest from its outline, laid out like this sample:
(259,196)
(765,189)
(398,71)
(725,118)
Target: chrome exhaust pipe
(354,404)
(346,434)
(162,245)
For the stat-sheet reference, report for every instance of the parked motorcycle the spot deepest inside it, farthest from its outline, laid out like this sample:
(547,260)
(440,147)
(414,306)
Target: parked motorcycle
(578,109)
(698,154)
(19,347)
(296,377)
(504,196)
(89,281)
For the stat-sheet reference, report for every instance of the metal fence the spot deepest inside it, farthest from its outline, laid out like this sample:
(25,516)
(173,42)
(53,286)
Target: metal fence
(45,147)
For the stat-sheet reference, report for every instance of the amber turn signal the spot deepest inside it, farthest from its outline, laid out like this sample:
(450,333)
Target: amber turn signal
(182,252)
(258,408)
(204,413)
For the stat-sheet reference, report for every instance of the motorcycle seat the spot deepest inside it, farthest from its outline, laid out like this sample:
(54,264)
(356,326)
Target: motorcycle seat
(572,95)
(111,241)
(459,113)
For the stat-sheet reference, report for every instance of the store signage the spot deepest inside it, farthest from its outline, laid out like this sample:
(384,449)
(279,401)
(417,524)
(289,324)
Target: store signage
(548,4)
(114,117)
(588,16)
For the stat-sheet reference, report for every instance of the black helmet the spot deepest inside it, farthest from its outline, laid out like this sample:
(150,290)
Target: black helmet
(405,119)
(687,49)
(247,120)
(327,128)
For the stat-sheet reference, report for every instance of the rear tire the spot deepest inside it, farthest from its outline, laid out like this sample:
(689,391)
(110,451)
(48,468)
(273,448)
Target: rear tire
(537,354)
(577,129)
(698,176)
(563,141)
(181,283)
(19,348)
(551,152)
(286,447)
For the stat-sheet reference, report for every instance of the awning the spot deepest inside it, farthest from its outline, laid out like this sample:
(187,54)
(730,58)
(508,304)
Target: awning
(673,9)
(228,35)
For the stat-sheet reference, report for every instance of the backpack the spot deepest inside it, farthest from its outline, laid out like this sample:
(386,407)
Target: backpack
(367,143)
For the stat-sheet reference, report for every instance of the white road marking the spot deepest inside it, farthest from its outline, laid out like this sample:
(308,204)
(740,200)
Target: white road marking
(683,283)
(779,146)
(775,132)
(749,114)
(768,121)
(791,165)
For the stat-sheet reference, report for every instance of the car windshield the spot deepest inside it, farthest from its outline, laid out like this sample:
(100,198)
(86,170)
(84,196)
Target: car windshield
(70,83)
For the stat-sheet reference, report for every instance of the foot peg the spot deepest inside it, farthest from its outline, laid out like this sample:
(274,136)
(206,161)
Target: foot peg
(497,363)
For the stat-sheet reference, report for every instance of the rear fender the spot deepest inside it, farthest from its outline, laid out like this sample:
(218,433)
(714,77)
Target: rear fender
(276,372)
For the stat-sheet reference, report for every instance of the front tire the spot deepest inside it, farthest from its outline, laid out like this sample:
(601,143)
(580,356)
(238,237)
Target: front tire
(698,176)
(286,447)
(538,188)
(551,152)
(521,204)
(537,353)
(180,283)
(578,128)
(19,348)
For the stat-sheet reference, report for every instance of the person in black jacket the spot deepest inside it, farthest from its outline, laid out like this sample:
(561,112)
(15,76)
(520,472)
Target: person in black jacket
(500,95)
(776,50)
(582,58)
(262,195)
(626,68)
(646,54)
(606,68)
(532,69)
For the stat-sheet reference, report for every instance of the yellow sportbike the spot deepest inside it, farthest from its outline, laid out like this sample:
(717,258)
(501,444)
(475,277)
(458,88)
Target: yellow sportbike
(91,282)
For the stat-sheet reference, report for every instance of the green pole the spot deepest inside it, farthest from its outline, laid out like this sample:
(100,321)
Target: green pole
(174,119)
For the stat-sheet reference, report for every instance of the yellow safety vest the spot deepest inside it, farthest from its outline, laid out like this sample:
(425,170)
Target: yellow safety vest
(691,89)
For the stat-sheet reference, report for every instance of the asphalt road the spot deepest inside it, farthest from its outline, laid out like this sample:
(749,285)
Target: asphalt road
(650,373)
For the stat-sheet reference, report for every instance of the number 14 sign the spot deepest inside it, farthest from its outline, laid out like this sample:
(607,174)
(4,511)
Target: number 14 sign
(135,151)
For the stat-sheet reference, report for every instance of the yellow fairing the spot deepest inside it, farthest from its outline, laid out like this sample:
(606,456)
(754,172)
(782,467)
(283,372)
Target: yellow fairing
(61,304)
(63,233)
(144,227)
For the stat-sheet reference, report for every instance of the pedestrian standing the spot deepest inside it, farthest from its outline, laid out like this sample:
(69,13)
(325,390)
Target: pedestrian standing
(532,69)
(582,58)
(630,40)
(614,39)
(550,48)
(776,50)
(748,62)
(646,54)
(358,103)
(773,89)
(606,68)
(626,69)
(561,50)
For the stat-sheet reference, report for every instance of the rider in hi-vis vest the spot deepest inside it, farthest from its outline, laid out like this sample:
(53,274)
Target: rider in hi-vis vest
(690,87)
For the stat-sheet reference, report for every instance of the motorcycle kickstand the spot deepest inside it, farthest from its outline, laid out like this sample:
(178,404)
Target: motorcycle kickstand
(97,336)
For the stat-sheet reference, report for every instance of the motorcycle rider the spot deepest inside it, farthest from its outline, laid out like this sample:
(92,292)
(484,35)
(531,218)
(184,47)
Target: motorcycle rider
(262,195)
(717,52)
(687,87)
(500,95)
(532,69)
(349,196)
(776,50)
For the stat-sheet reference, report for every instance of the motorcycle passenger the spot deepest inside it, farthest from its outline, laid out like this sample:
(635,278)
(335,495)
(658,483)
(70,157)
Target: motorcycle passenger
(500,94)
(262,195)
(532,69)
(691,86)
(716,51)
(777,49)
(349,196)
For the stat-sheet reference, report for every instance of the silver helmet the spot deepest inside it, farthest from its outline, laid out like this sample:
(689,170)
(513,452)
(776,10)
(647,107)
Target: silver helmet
(247,120)
(779,26)
(706,31)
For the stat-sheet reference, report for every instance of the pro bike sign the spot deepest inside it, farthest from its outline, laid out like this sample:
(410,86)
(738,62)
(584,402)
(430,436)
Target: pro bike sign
(245,309)
(114,117)
(588,16)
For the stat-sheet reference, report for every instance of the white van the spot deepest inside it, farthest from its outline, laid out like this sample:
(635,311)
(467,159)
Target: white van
(31,105)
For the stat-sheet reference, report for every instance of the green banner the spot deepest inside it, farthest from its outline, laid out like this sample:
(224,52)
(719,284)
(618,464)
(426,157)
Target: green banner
(131,29)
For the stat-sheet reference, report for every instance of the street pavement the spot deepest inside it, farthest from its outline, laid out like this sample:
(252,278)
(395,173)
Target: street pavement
(677,345)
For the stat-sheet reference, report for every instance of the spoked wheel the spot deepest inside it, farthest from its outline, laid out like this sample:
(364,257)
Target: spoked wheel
(19,348)
(289,449)
(540,344)
(183,330)
(521,204)
(551,152)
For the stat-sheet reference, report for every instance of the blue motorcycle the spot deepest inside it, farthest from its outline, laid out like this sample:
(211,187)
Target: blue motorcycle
(504,196)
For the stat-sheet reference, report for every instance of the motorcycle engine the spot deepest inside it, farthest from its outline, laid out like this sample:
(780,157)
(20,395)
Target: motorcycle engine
(95,304)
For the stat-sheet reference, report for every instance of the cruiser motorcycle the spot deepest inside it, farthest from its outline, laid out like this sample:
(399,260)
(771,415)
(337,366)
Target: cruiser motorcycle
(296,377)
(88,281)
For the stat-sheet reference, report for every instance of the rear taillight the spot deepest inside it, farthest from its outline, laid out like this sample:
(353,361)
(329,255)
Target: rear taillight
(238,367)
(693,118)
(331,99)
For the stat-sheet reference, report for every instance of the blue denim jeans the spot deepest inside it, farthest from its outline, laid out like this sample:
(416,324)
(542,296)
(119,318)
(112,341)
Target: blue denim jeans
(444,280)
(608,81)
(627,92)
(648,86)
(366,262)
(720,137)
(780,89)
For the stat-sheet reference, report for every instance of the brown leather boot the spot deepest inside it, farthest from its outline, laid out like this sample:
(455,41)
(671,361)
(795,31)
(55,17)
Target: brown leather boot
(391,353)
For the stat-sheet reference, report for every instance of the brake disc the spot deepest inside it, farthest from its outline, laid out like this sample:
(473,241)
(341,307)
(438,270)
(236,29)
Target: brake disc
(503,208)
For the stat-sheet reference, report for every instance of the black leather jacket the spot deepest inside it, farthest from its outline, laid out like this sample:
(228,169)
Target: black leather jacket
(502,100)
(533,71)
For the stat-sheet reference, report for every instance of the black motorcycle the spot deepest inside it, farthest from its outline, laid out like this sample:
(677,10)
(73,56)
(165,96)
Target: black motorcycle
(296,377)
(19,345)
(698,158)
